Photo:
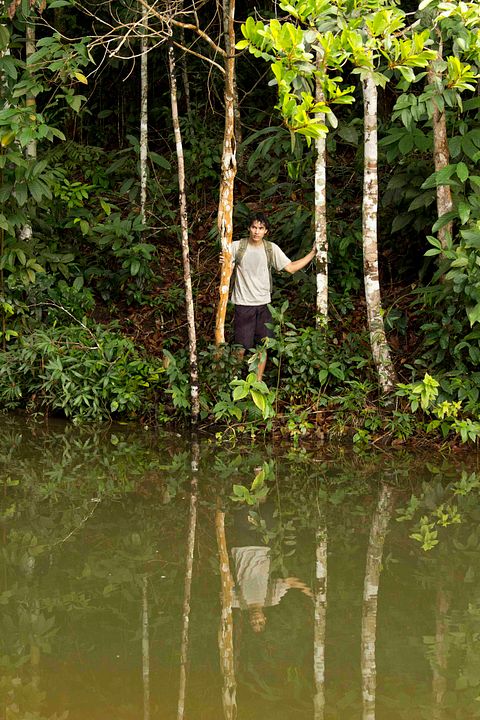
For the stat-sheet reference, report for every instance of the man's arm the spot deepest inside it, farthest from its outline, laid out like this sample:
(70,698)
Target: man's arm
(295,265)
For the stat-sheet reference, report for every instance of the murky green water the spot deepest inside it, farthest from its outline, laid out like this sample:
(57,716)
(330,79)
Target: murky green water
(314,602)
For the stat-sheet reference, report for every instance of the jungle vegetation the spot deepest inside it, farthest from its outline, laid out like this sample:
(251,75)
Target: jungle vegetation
(137,136)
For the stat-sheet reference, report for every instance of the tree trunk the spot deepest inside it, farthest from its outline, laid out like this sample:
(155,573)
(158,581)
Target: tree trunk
(227,180)
(192,338)
(192,527)
(378,340)
(31,148)
(320,618)
(321,238)
(373,569)
(143,114)
(225,633)
(440,659)
(441,153)
(229,49)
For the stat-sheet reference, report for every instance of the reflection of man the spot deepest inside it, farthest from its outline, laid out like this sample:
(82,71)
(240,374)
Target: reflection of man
(255,588)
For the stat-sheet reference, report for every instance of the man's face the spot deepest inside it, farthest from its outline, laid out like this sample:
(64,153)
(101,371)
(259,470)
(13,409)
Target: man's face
(257,232)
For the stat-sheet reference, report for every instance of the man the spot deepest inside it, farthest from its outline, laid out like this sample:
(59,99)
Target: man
(252,284)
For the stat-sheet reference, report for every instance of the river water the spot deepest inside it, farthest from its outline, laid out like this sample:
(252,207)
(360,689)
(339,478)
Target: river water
(143,577)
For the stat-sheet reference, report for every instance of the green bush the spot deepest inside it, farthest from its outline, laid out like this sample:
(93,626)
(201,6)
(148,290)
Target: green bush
(86,374)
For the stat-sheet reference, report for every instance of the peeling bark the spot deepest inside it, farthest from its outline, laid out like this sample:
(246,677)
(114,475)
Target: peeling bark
(441,153)
(378,339)
(192,338)
(227,180)
(373,569)
(225,632)
(321,238)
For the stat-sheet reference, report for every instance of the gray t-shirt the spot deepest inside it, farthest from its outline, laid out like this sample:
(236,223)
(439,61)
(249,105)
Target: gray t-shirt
(252,284)
(253,583)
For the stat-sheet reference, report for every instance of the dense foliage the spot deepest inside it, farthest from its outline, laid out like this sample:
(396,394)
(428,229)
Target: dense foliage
(91,297)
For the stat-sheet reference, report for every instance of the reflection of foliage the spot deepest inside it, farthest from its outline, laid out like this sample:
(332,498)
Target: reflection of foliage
(74,546)
(439,506)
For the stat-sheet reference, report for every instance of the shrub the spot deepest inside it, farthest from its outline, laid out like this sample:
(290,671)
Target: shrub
(88,374)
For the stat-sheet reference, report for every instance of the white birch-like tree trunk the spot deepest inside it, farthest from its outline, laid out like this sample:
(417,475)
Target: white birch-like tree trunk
(378,339)
(378,531)
(441,152)
(143,113)
(187,587)
(145,649)
(192,337)
(227,180)
(321,237)
(26,231)
(320,618)
(225,632)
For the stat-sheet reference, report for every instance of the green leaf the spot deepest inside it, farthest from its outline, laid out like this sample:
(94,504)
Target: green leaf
(464,211)
(259,400)
(134,267)
(240,392)
(240,491)
(462,171)
(75,102)
(159,160)
(473,314)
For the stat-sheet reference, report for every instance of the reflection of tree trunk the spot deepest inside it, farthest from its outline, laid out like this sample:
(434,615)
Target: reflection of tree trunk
(145,650)
(192,527)
(35,649)
(192,337)
(320,618)
(378,338)
(440,660)
(373,569)
(225,633)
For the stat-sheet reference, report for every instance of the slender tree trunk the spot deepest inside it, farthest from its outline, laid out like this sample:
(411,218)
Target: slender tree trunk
(320,618)
(225,633)
(143,114)
(187,592)
(192,338)
(31,149)
(145,650)
(441,153)
(321,238)
(227,180)
(229,49)
(185,79)
(378,339)
(440,659)
(373,569)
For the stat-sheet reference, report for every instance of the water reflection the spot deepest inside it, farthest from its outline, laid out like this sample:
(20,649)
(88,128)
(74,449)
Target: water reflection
(131,583)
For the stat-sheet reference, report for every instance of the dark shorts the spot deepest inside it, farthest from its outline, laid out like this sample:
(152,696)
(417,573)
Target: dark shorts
(249,324)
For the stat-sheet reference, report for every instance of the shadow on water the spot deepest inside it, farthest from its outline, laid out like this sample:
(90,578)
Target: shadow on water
(149,576)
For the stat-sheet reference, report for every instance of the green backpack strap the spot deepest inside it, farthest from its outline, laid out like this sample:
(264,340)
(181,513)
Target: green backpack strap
(242,247)
(269,253)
